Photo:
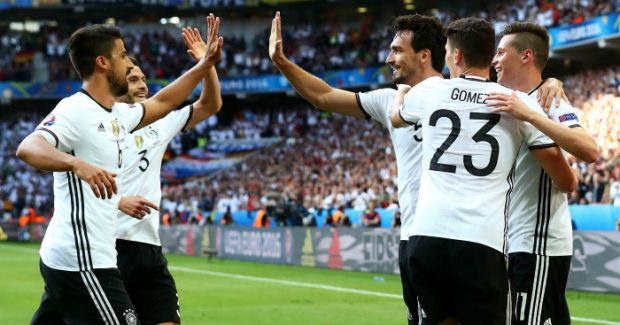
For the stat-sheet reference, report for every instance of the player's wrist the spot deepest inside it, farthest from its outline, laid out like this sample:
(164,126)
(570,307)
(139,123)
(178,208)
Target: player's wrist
(74,163)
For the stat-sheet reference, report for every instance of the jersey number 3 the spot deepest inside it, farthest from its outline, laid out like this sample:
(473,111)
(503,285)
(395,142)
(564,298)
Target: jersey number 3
(480,136)
(143,159)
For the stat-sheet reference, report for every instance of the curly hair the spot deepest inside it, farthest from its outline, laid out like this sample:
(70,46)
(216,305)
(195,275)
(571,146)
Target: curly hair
(428,33)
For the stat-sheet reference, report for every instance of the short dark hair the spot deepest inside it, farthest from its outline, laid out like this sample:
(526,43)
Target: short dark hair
(530,36)
(428,33)
(474,37)
(87,43)
(134,60)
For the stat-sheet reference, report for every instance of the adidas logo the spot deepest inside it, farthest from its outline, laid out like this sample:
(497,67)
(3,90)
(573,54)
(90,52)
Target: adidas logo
(101,128)
(547,322)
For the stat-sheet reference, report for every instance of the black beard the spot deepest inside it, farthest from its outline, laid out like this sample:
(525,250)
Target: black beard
(117,88)
(398,80)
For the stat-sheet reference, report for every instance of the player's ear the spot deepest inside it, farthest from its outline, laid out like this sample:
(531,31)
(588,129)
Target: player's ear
(101,62)
(426,55)
(458,56)
(527,55)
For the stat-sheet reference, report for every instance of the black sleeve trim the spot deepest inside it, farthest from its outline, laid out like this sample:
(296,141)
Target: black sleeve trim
(543,146)
(191,113)
(141,119)
(400,113)
(574,126)
(359,104)
(50,132)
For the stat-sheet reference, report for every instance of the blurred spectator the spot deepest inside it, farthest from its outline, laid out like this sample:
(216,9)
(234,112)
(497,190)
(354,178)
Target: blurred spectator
(227,218)
(323,44)
(396,219)
(371,217)
(262,219)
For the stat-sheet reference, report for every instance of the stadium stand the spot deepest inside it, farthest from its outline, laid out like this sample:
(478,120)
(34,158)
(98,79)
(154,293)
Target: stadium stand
(286,157)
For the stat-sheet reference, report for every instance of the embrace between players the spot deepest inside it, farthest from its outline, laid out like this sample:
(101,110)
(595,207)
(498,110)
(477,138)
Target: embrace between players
(481,176)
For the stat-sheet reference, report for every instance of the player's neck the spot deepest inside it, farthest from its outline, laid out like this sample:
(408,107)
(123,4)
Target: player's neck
(99,91)
(423,76)
(527,81)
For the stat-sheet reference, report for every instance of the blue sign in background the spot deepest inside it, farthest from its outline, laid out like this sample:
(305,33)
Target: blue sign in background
(592,29)
(229,85)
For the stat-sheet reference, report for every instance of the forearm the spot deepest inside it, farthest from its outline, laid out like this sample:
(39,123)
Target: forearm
(308,86)
(320,94)
(574,140)
(210,100)
(171,96)
(36,152)
(395,117)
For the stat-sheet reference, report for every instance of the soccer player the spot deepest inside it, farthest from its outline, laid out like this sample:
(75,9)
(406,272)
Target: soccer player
(417,53)
(540,237)
(140,260)
(457,244)
(81,141)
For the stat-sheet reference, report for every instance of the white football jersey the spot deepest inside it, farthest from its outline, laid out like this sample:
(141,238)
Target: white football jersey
(539,221)
(81,234)
(407,143)
(144,151)
(468,159)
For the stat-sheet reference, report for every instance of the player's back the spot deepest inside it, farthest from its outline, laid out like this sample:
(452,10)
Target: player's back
(468,158)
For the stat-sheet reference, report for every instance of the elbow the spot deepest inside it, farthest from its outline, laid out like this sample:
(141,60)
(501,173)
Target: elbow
(22,152)
(218,105)
(591,155)
(214,107)
(397,122)
(568,185)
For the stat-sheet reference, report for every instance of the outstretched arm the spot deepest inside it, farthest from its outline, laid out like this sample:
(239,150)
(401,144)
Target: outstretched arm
(313,89)
(210,100)
(169,98)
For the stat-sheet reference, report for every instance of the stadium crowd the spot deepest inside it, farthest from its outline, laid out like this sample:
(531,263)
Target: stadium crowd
(325,161)
(317,46)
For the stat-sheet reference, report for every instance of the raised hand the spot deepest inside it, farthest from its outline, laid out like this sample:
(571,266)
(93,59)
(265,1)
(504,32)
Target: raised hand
(196,47)
(101,181)
(214,42)
(136,206)
(276,51)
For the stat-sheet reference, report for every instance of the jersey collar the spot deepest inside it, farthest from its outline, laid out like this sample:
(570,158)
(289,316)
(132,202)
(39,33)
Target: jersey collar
(83,91)
(474,78)
(536,88)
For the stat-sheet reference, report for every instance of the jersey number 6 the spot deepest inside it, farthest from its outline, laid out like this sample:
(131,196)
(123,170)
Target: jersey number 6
(480,136)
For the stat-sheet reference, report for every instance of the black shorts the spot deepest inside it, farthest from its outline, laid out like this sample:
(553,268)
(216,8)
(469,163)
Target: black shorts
(460,279)
(85,297)
(538,286)
(409,296)
(144,270)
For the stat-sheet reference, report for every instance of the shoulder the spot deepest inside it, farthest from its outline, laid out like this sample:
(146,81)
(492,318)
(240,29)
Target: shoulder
(122,107)
(379,93)
(430,83)
(74,102)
